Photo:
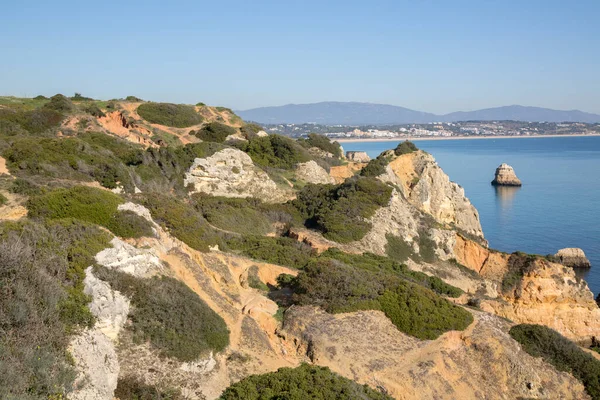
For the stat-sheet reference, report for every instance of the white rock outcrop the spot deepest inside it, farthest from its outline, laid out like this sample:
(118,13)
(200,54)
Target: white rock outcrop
(573,257)
(109,306)
(358,156)
(97,365)
(312,172)
(126,258)
(231,173)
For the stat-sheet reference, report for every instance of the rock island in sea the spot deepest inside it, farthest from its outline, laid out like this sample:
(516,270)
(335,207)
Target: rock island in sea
(505,176)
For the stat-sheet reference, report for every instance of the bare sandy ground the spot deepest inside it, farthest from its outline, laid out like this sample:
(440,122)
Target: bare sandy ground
(417,138)
(3,169)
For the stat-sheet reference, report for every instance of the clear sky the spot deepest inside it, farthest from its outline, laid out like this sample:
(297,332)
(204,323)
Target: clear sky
(435,56)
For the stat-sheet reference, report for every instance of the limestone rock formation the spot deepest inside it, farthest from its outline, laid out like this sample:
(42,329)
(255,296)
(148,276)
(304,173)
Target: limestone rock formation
(126,258)
(358,156)
(97,365)
(482,362)
(312,172)
(505,176)
(573,257)
(231,173)
(425,186)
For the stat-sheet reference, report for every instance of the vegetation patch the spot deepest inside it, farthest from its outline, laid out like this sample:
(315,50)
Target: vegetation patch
(405,147)
(341,211)
(564,355)
(322,142)
(175,115)
(415,310)
(275,250)
(181,220)
(91,205)
(170,315)
(59,103)
(518,265)
(130,388)
(303,382)
(3,199)
(215,132)
(33,121)
(375,167)
(41,275)
(239,215)
(250,131)
(275,151)
(254,280)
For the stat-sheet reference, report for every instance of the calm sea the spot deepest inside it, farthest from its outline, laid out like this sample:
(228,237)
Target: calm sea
(557,206)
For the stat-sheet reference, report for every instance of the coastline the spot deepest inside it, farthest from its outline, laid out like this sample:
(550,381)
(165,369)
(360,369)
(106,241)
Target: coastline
(421,138)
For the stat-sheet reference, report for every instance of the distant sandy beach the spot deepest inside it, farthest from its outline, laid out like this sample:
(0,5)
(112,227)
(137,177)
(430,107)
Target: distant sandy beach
(417,138)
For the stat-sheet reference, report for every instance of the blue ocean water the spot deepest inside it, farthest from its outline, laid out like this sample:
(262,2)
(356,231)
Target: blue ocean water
(557,206)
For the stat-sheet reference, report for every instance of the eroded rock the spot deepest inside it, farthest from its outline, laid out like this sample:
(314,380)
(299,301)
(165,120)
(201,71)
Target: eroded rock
(358,156)
(312,172)
(573,257)
(505,176)
(126,258)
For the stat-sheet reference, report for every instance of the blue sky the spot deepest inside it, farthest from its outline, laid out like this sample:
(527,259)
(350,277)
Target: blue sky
(436,56)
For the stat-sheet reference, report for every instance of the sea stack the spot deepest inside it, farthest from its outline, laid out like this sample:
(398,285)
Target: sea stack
(573,257)
(505,176)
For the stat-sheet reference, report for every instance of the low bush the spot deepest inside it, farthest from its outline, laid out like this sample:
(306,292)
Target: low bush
(170,315)
(42,302)
(214,132)
(181,220)
(91,205)
(133,99)
(323,143)
(398,249)
(59,103)
(250,131)
(130,388)
(254,280)
(175,115)
(564,355)
(518,264)
(405,147)
(34,121)
(239,215)
(276,250)
(94,110)
(415,310)
(303,382)
(341,211)
(373,262)
(375,167)
(3,199)
(275,151)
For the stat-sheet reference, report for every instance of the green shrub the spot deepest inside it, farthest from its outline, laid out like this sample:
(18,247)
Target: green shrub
(82,158)
(275,151)
(239,215)
(341,211)
(59,103)
(405,147)
(323,143)
(33,121)
(181,220)
(41,276)
(564,355)
(375,167)
(94,110)
(415,310)
(518,264)
(254,280)
(200,104)
(215,132)
(40,97)
(133,99)
(250,131)
(398,249)
(3,199)
(175,115)
(130,388)
(190,332)
(373,262)
(276,250)
(91,205)
(303,382)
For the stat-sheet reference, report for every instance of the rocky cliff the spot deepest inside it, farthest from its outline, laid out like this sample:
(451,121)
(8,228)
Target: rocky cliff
(573,257)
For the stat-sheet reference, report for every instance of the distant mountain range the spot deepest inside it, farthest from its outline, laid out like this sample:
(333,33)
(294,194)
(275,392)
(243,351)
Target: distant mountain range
(354,113)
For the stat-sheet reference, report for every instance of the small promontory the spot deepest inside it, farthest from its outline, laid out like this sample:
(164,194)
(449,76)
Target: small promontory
(358,156)
(505,176)
(573,257)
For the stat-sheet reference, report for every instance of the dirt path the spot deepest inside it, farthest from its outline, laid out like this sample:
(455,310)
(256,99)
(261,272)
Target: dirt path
(3,169)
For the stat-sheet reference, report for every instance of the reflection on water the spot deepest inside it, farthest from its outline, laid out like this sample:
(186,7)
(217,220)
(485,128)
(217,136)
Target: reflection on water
(505,196)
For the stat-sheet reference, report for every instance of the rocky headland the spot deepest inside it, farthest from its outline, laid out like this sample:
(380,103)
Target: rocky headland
(573,257)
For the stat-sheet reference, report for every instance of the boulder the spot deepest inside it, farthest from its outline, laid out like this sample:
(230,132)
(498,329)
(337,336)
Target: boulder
(358,156)
(505,176)
(312,172)
(573,257)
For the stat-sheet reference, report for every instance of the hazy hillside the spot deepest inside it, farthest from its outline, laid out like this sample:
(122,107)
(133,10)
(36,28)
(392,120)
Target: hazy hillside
(353,113)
